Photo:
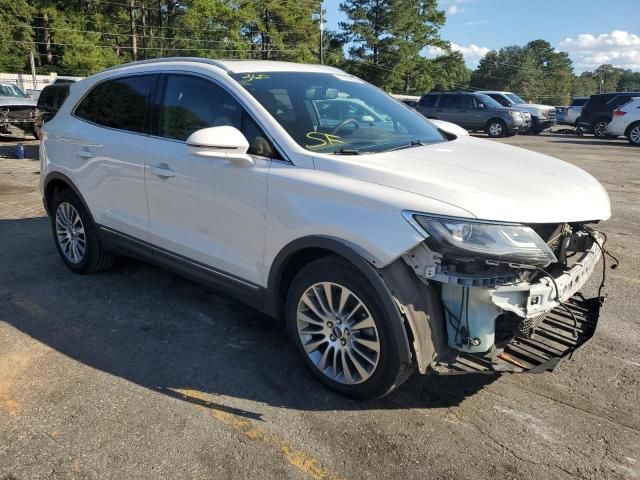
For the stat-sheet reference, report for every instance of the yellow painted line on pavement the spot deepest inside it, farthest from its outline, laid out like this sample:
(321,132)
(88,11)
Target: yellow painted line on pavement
(295,457)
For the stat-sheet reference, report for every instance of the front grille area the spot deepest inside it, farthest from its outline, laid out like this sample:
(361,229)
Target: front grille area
(18,113)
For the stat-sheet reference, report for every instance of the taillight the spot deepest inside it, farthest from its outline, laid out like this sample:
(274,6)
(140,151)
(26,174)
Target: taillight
(618,113)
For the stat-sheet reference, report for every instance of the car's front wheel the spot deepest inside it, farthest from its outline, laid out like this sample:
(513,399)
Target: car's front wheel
(75,235)
(339,327)
(496,128)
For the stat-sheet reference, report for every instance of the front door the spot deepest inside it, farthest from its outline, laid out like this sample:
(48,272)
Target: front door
(205,209)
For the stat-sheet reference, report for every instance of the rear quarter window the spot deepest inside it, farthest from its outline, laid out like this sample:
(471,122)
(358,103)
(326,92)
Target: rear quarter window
(88,106)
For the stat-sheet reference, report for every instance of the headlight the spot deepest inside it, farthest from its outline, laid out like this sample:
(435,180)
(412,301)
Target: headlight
(515,114)
(471,238)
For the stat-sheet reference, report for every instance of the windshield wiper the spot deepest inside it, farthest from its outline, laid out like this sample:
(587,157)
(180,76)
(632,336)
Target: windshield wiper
(347,151)
(412,143)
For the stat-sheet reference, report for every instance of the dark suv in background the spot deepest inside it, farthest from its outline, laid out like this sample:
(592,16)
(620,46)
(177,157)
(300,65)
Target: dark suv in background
(49,103)
(596,113)
(473,111)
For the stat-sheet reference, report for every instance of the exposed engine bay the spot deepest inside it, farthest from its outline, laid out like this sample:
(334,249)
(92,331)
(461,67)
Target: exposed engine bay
(489,301)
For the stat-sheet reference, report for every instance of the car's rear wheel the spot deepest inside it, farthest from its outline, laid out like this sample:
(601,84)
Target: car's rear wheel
(600,127)
(340,329)
(496,128)
(75,235)
(633,134)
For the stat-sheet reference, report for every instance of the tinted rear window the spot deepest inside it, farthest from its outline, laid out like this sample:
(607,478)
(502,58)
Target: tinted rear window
(450,101)
(89,105)
(578,102)
(125,104)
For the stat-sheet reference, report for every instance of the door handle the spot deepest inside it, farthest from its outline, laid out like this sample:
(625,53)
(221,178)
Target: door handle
(84,153)
(162,170)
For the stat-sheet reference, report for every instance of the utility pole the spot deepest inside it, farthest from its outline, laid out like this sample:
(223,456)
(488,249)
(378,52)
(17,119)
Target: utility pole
(321,36)
(33,71)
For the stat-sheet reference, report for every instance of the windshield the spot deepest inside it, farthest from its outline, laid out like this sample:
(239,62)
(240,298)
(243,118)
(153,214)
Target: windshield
(515,98)
(11,91)
(338,113)
(487,100)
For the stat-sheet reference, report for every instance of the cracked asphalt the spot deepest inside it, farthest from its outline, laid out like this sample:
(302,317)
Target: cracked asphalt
(138,373)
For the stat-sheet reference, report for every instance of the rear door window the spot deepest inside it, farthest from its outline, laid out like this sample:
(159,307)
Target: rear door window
(125,104)
(450,101)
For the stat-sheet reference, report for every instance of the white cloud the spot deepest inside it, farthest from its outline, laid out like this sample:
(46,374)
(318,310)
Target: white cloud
(619,48)
(455,10)
(472,53)
(475,23)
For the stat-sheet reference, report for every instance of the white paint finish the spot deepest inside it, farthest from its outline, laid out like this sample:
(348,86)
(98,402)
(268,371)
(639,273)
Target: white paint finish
(493,181)
(211,210)
(107,166)
(305,202)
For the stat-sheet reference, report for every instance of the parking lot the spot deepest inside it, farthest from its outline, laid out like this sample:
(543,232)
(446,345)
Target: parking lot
(138,373)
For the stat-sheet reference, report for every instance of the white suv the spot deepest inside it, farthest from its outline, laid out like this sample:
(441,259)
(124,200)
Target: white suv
(386,243)
(625,120)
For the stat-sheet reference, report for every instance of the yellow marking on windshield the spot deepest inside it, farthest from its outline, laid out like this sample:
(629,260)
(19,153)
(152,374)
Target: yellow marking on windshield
(323,139)
(250,77)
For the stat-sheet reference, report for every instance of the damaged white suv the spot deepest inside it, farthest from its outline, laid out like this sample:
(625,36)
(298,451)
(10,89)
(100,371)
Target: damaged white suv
(386,242)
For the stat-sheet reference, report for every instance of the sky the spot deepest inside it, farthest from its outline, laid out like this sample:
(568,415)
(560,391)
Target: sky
(592,31)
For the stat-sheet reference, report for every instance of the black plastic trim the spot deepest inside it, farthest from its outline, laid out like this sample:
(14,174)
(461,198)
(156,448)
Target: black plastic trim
(60,176)
(243,290)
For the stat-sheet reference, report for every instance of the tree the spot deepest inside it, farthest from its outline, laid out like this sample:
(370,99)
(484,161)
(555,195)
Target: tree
(16,35)
(629,81)
(536,71)
(386,39)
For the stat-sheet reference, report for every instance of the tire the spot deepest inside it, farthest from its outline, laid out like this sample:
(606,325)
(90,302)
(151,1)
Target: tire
(633,134)
(72,225)
(342,351)
(496,128)
(599,127)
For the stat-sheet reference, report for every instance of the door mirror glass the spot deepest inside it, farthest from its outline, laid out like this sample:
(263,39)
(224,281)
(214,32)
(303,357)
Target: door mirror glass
(480,106)
(221,142)
(367,119)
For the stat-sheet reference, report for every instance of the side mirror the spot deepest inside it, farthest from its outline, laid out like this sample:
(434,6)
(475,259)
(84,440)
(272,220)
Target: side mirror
(221,142)
(480,106)
(367,119)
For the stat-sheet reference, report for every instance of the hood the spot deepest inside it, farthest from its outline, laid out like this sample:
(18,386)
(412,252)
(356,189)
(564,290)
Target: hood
(17,101)
(493,181)
(533,105)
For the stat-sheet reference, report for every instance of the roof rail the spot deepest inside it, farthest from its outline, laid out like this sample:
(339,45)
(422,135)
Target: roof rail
(208,61)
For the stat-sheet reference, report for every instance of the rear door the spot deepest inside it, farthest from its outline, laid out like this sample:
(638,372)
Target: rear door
(106,146)
(427,105)
(449,108)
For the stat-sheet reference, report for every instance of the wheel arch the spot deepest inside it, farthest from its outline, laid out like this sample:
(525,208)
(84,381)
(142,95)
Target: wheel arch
(493,119)
(55,182)
(302,251)
(630,127)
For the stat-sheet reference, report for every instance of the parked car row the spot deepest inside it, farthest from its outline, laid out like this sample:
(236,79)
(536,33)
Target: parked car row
(605,114)
(478,111)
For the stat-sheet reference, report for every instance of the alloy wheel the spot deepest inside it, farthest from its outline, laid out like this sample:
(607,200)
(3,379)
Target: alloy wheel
(338,333)
(70,233)
(495,129)
(634,135)
(600,128)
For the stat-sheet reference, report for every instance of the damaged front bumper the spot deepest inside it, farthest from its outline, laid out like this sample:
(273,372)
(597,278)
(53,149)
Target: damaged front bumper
(555,339)
(475,313)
